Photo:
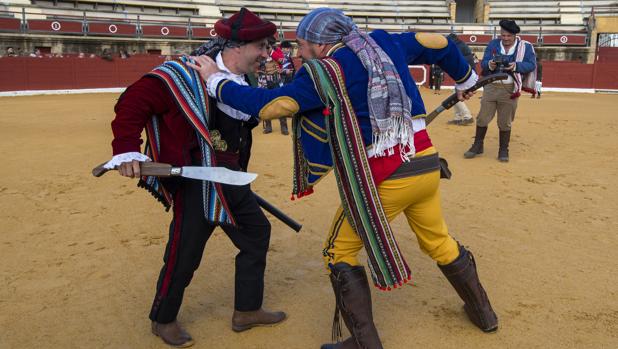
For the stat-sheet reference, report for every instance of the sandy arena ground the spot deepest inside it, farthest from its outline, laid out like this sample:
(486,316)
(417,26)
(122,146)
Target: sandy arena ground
(79,256)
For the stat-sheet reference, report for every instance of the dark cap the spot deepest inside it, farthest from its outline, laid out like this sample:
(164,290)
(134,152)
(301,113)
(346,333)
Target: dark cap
(244,26)
(510,26)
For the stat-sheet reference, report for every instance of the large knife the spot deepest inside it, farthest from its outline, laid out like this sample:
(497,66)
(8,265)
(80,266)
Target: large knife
(212,174)
(449,102)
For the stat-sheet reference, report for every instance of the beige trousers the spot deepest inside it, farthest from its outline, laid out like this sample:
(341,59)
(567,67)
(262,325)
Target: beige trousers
(497,98)
(462,112)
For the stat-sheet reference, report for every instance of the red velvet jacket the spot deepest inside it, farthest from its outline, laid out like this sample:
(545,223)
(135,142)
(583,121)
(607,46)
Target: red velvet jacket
(145,98)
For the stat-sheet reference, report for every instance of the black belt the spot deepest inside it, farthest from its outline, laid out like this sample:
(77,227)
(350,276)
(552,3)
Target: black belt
(417,166)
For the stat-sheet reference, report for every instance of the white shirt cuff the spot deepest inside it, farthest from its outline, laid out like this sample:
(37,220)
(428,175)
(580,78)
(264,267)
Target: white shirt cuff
(125,157)
(472,79)
(212,83)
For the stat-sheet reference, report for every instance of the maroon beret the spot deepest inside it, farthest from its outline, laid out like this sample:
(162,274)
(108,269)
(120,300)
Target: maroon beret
(244,26)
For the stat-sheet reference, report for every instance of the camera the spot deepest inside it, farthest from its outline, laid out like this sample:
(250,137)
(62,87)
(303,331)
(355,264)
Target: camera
(501,62)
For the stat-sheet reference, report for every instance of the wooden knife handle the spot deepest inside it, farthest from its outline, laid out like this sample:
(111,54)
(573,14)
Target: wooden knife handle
(155,169)
(147,169)
(99,170)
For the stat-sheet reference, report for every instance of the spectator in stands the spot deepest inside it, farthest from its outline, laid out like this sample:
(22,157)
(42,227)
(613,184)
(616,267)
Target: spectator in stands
(36,53)
(539,78)
(274,79)
(462,113)
(10,52)
(192,128)
(517,58)
(124,54)
(438,76)
(362,117)
(107,55)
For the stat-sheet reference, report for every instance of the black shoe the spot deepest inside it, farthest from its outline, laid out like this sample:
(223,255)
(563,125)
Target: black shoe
(503,152)
(466,122)
(477,146)
(461,273)
(454,122)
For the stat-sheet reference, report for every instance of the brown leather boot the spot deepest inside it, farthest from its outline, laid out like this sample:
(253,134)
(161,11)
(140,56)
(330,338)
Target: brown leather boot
(172,334)
(461,273)
(354,302)
(244,320)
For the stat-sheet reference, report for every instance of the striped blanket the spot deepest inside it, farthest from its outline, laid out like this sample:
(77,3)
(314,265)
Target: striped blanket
(358,192)
(188,89)
(524,82)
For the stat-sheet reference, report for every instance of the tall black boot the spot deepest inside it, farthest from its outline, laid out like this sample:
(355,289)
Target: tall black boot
(477,146)
(503,152)
(354,302)
(461,273)
(283,123)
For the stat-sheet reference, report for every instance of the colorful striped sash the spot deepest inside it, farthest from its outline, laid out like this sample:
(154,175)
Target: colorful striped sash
(189,91)
(358,192)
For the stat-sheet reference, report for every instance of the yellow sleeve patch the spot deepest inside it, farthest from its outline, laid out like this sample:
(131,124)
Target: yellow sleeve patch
(431,40)
(279,107)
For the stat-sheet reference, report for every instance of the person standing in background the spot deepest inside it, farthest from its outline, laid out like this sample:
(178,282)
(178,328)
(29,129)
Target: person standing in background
(514,56)
(463,116)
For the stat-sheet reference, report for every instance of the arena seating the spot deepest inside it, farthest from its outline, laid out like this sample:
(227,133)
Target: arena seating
(176,19)
(150,10)
(383,14)
(575,12)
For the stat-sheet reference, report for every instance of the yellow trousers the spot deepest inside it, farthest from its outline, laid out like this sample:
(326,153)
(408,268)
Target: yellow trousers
(418,197)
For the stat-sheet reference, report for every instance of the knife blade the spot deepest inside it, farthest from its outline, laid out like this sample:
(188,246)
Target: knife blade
(212,174)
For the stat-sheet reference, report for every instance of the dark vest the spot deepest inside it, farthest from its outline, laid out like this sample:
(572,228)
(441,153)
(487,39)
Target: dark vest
(233,140)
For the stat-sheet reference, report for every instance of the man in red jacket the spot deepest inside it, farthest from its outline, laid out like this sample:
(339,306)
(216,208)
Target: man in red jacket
(185,127)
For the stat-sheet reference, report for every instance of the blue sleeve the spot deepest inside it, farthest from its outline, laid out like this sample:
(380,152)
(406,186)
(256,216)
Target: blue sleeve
(487,56)
(296,97)
(435,50)
(529,62)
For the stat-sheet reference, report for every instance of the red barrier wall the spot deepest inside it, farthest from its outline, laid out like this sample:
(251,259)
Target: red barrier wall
(25,73)
(572,75)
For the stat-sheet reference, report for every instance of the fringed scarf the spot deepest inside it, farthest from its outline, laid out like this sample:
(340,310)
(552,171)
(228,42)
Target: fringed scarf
(387,99)
(358,192)
(188,90)
(388,103)
(523,82)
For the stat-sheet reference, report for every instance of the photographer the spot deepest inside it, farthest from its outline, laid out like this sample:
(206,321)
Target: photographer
(516,57)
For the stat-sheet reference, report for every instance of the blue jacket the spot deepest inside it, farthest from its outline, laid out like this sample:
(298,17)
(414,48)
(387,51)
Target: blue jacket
(300,96)
(493,49)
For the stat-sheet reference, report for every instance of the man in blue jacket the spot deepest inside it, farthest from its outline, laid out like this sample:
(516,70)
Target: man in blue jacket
(357,112)
(516,57)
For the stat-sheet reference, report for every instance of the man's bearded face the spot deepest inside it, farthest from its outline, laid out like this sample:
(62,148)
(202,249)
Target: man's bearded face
(309,50)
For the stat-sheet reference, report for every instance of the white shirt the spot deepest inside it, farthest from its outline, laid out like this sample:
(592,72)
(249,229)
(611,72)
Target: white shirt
(239,79)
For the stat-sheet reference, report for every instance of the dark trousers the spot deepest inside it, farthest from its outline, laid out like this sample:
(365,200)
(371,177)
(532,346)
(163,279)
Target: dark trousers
(189,232)
(283,123)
